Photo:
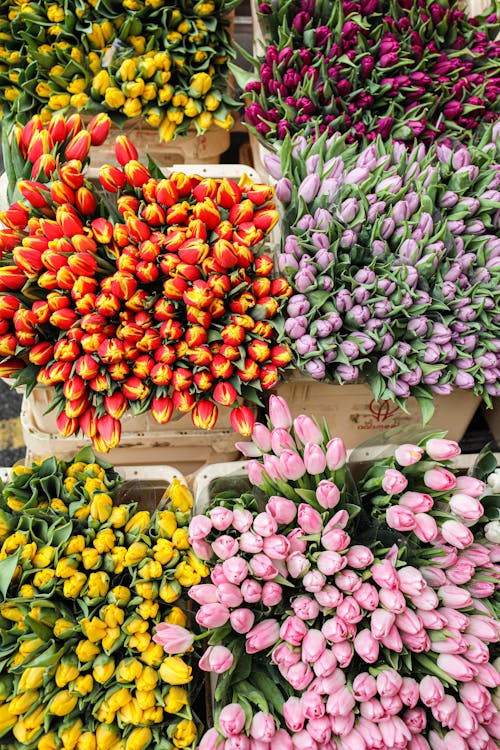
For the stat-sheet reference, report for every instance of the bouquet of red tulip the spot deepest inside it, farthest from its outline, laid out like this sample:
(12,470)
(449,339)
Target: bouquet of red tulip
(156,296)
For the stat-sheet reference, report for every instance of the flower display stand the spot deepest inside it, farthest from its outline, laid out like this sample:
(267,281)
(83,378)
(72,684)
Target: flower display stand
(351,410)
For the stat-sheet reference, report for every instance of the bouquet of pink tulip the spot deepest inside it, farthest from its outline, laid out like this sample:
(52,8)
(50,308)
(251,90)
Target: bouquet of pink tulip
(346,615)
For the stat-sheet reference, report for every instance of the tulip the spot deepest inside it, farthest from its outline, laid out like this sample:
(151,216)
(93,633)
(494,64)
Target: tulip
(262,636)
(439,479)
(336,454)
(279,412)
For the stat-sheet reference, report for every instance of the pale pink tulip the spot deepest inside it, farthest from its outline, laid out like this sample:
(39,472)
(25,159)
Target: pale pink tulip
(418,502)
(262,727)
(231,719)
(341,702)
(336,454)
(325,665)
(400,518)
(312,705)
(313,645)
(199,527)
(217,659)
(279,412)
(174,638)
(314,458)
(330,562)
(408,454)
(235,569)
(466,507)
(293,630)
(329,596)
(261,436)
(211,740)
(282,509)
(203,593)
(212,615)
(393,600)
(251,591)
(242,519)
(445,711)
(262,636)
(307,430)
(221,517)
(262,567)
(367,596)
(431,691)
(366,646)
(291,465)
(442,450)
(364,687)
(320,730)
(471,486)
(454,596)
(305,607)
(327,494)
(394,482)
(457,667)
(299,675)
(425,527)
(229,595)
(242,620)
(457,534)
(264,524)
(281,440)
(439,479)
(255,472)
(408,692)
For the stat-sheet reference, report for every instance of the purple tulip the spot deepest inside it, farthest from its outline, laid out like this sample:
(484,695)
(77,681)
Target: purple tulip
(356,176)
(306,344)
(361,295)
(432,353)
(387,228)
(326,284)
(329,188)
(382,308)
(306,222)
(418,326)
(348,239)
(322,218)
(320,240)
(404,349)
(400,212)
(298,304)
(324,259)
(316,368)
(285,260)
(348,210)
(347,373)
(292,246)
(305,278)
(365,276)
(379,248)
(399,388)
(295,328)
(409,252)
(309,187)
(464,380)
(273,165)
(350,349)
(386,286)
(343,301)
(376,209)
(283,190)
(321,328)
(387,366)
(413,200)
(414,377)
(443,389)
(390,184)
(448,199)
(432,377)
(440,333)
(365,343)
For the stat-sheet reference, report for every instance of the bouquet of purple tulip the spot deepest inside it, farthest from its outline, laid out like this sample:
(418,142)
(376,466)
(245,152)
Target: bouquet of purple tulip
(402,69)
(394,256)
(346,617)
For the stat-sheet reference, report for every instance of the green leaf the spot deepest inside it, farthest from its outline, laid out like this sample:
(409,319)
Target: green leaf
(7,568)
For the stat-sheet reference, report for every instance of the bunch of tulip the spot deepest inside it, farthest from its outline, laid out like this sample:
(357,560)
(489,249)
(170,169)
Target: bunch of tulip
(329,627)
(393,254)
(168,306)
(168,66)
(402,69)
(84,582)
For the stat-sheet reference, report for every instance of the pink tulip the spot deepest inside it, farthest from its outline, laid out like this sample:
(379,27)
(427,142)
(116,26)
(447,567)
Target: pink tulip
(394,732)
(202,549)
(291,465)
(425,527)
(454,740)
(335,539)
(385,575)
(229,595)
(309,519)
(221,518)
(307,430)
(353,741)
(293,714)
(250,542)
(203,593)
(231,720)
(336,454)
(259,745)
(370,733)
(305,607)
(433,575)
(350,611)
(251,591)
(262,727)
(314,458)
(393,600)
(320,730)
(261,436)
(340,703)
(277,547)
(284,655)
(418,742)
(478,554)
(174,638)
(392,704)
(217,659)
(299,675)
(272,594)
(439,479)
(431,620)
(242,620)
(339,520)
(281,440)
(225,547)
(282,740)
(329,596)
(330,563)
(471,486)
(477,651)
(465,722)
(457,534)
(409,622)
(217,575)
(264,524)
(442,450)
(457,667)
(394,482)
(325,665)
(408,692)
(475,696)
(367,596)
(262,567)
(488,675)
(242,520)
(312,705)
(293,630)
(272,467)
(210,740)
(238,742)
(297,564)
(303,741)
(313,645)
(255,472)
(364,687)
(482,589)
(479,740)
(411,581)
(366,646)
(344,653)
(454,596)
(381,622)
(466,507)
(358,556)
(460,573)
(427,600)
(372,710)
(451,644)
(212,615)
(348,581)
(235,569)
(297,542)
(262,636)
(454,618)
(199,527)
(485,628)
(408,454)
(418,502)
(400,518)
(389,682)
(282,509)
(431,691)
(279,412)
(445,711)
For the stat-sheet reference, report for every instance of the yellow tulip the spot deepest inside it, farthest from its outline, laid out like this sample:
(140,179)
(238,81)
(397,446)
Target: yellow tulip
(179,494)
(177,617)
(94,629)
(131,713)
(82,513)
(112,615)
(103,669)
(226,124)
(165,93)
(138,738)
(14,541)
(63,703)
(28,646)
(180,539)
(167,130)
(101,506)
(151,569)
(147,680)
(174,36)
(76,545)
(176,699)
(105,714)
(175,671)
(17,471)
(128,670)
(138,523)
(139,641)
(149,93)
(73,586)
(119,595)
(94,484)
(200,56)
(96,37)
(119,698)
(170,592)
(166,523)
(186,575)
(133,89)
(192,108)
(43,577)
(175,115)
(7,719)
(185,733)
(43,90)
(138,43)
(90,558)
(69,736)
(43,557)
(65,673)
(87,741)
(200,84)
(22,703)
(110,638)
(153,655)
(23,733)
(136,625)
(212,101)
(11,612)
(106,736)
(153,715)
(118,555)
(94,62)
(57,504)
(148,609)
(48,742)
(146,67)
(146,589)
(114,98)
(77,54)
(179,100)
(11,95)
(61,626)
(59,101)
(204,8)
(76,468)
(118,517)
(132,107)
(98,585)
(136,552)
(66,567)
(198,565)
(104,541)
(204,120)
(84,684)
(127,70)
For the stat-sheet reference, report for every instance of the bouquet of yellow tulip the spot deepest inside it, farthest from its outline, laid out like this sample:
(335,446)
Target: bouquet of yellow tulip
(168,65)
(84,581)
